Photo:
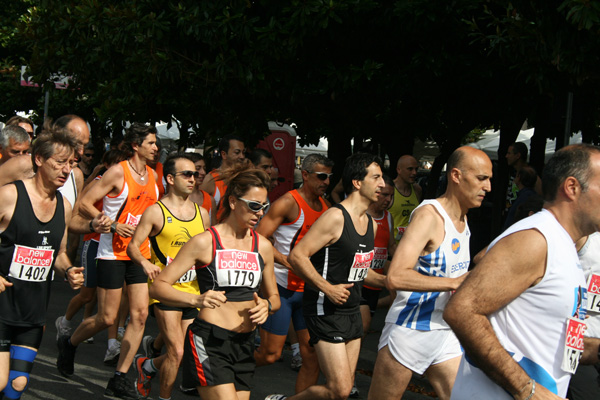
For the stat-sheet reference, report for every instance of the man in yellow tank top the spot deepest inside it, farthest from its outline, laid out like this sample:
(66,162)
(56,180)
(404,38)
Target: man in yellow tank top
(407,194)
(169,224)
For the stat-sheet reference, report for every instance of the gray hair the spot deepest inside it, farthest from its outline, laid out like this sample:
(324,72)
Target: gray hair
(17,133)
(308,164)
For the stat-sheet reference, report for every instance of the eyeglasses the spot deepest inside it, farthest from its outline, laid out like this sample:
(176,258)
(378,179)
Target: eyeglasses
(188,174)
(255,206)
(323,176)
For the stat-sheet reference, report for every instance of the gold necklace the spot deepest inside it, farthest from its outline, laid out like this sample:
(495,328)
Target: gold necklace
(135,170)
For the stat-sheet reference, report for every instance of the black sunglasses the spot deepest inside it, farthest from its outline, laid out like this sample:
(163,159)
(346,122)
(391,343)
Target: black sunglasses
(255,206)
(323,176)
(188,174)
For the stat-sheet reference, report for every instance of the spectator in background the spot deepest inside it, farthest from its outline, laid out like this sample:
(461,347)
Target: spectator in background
(525,182)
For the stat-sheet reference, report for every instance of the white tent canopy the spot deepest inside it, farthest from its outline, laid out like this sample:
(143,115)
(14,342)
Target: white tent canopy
(490,141)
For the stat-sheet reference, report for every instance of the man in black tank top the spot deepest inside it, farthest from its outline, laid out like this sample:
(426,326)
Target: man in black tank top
(333,258)
(29,249)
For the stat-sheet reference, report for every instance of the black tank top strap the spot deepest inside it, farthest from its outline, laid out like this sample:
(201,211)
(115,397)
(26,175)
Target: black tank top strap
(254,241)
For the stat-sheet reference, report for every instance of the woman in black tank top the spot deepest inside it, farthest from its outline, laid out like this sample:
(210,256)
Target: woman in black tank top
(233,264)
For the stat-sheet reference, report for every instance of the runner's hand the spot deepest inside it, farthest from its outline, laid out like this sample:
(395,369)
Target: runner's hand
(338,294)
(124,230)
(75,277)
(151,270)
(101,223)
(4,284)
(211,299)
(260,313)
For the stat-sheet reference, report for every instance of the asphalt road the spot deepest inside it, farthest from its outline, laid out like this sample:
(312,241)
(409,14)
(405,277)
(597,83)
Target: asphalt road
(91,375)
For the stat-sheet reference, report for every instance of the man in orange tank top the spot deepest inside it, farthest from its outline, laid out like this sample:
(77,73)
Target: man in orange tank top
(288,219)
(232,150)
(126,190)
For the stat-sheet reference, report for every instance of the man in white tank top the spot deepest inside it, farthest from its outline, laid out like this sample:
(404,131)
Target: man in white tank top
(520,313)
(430,261)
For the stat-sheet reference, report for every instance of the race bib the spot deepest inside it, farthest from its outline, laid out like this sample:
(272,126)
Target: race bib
(189,276)
(594,293)
(379,259)
(360,266)
(237,268)
(30,264)
(573,348)
(399,232)
(133,220)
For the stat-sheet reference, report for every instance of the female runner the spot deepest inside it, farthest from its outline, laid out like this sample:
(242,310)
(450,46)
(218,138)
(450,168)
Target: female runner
(233,263)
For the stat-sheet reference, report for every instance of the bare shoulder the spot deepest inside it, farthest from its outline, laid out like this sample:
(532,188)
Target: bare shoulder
(17,168)
(264,245)
(8,194)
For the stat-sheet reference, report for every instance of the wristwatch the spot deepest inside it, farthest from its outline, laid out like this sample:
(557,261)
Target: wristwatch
(113,227)
(92,226)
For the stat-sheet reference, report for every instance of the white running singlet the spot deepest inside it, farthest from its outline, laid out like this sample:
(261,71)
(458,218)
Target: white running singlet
(532,327)
(423,310)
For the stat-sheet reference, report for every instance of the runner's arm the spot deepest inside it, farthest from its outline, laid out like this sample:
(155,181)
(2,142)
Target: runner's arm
(421,231)
(514,264)
(150,224)
(62,264)
(197,251)
(325,231)
(268,286)
(277,215)
(112,180)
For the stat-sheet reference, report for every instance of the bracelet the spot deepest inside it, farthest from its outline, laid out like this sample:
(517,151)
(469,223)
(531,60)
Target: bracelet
(532,390)
(92,226)
(270,306)
(67,270)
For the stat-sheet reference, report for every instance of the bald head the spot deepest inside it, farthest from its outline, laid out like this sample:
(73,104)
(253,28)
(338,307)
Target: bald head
(469,174)
(407,168)
(77,127)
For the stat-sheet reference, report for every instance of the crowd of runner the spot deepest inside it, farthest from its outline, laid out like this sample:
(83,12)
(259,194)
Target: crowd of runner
(231,274)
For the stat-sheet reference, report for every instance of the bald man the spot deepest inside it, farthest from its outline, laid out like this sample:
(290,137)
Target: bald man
(430,261)
(407,194)
(21,167)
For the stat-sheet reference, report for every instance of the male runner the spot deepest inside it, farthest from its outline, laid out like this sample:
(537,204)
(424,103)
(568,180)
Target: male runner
(407,194)
(286,223)
(334,259)
(126,190)
(14,141)
(33,234)
(232,150)
(520,315)
(431,261)
(169,224)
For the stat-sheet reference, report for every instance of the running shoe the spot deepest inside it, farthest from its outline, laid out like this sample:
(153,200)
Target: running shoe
(354,392)
(142,382)
(296,362)
(147,345)
(188,391)
(276,397)
(62,328)
(121,387)
(65,362)
(112,355)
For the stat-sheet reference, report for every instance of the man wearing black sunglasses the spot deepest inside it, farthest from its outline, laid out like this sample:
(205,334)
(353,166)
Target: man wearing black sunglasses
(334,259)
(169,224)
(285,224)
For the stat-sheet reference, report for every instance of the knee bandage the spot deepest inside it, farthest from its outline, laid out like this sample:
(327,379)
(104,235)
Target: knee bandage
(21,362)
